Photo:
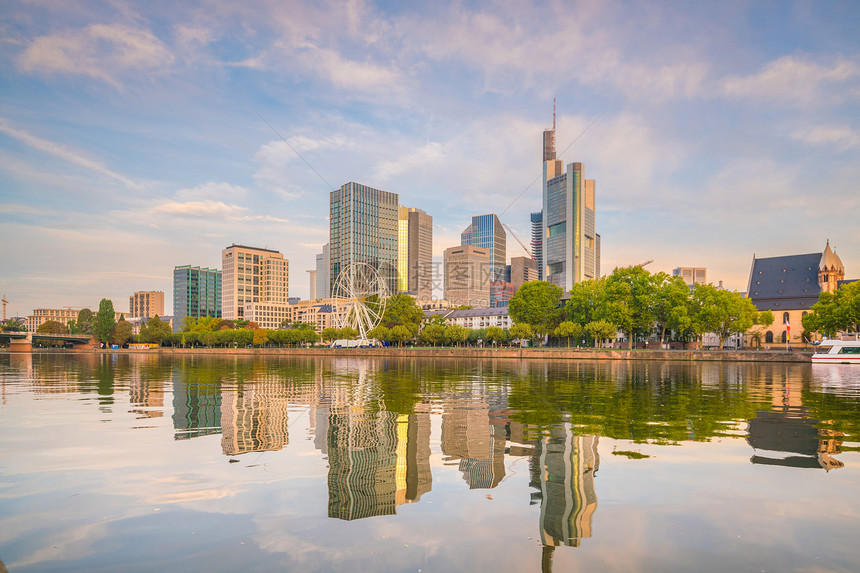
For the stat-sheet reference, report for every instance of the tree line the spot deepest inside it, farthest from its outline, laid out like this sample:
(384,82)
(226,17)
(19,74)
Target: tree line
(636,303)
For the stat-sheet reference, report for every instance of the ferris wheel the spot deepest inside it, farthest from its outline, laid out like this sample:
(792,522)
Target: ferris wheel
(361,289)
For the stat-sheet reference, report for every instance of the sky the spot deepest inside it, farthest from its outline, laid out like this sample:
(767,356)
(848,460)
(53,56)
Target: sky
(135,137)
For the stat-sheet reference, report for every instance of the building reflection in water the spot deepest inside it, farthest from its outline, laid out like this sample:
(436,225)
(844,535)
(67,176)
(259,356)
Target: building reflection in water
(474,436)
(376,460)
(786,436)
(196,408)
(562,469)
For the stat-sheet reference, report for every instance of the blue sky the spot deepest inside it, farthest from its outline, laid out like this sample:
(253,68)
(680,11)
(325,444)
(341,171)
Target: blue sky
(131,138)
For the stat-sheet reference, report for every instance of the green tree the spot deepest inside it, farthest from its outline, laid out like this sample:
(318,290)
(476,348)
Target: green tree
(432,334)
(455,334)
(348,333)
(400,334)
(568,329)
(52,327)
(84,323)
(586,298)
(330,334)
(154,330)
(379,333)
(121,332)
(835,312)
(627,301)
(670,302)
(600,330)
(723,312)
(402,309)
(522,331)
(538,304)
(762,321)
(104,321)
(13,326)
(497,335)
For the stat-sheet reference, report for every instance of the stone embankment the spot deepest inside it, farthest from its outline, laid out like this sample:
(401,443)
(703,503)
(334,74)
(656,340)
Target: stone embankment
(489,353)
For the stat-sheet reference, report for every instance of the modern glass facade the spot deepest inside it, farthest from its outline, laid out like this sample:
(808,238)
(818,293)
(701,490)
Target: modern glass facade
(537,241)
(196,293)
(486,231)
(363,228)
(570,248)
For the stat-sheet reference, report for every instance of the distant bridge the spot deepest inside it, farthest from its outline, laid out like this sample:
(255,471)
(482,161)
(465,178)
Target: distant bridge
(23,341)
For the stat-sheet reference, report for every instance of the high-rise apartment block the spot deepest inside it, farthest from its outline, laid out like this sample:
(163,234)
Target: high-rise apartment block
(146,304)
(196,293)
(468,273)
(415,253)
(363,229)
(323,260)
(252,274)
(692,275)
(570,243)
(486,231)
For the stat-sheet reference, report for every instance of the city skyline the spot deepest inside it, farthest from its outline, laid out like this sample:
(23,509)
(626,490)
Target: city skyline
(134,140)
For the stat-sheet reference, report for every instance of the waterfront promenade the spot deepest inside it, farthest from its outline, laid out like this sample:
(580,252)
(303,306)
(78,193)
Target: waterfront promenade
(483,353)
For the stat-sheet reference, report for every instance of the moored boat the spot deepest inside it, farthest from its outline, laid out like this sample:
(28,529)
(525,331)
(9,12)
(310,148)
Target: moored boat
(841,352)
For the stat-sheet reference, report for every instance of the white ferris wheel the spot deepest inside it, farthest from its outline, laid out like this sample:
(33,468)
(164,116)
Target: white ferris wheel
(361,290)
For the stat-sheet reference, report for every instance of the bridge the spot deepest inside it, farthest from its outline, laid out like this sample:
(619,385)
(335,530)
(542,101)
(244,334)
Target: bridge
(23,341)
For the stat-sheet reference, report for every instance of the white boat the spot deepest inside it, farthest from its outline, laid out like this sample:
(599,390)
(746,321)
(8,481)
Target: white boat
(841,352)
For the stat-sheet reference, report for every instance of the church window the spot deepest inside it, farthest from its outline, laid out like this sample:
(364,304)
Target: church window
(768,337)
(785,318)
(783,337)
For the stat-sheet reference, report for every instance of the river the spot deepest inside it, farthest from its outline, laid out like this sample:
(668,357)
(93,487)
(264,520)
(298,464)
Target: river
(222,463)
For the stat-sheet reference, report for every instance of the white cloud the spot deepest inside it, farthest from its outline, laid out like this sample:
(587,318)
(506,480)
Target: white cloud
(65,153)
(211,191)
(841,137)
(207,209)
(795,80)
(98,51)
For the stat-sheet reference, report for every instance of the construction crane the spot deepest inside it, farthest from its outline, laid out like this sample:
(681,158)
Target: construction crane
(5,302)
(514,235)
(645,263)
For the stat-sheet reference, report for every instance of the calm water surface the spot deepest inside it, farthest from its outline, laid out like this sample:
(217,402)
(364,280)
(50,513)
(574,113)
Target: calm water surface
(148,463)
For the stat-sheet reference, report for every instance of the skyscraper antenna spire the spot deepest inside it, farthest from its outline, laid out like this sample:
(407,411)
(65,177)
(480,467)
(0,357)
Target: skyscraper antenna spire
(553,127)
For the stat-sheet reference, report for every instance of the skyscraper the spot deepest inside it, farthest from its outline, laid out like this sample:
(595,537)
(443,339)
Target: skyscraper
(486,231)
(363,228)
(415,253)
(570,243)
(537,241)
(196,293)
(252,274)
(323,289)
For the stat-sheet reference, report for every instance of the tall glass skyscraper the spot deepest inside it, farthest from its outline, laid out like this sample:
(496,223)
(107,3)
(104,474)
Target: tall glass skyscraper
(570,244)
(363,228)
(196,293)
(537,241)
(486,231)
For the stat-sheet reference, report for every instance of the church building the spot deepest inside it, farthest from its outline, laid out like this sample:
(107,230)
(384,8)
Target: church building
(789,286)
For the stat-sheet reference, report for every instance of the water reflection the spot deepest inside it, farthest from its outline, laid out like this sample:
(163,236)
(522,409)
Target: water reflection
(379,422)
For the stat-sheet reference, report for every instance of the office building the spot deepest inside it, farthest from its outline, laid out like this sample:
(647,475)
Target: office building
(363,229)
(691,275)
(312,284)
(146,304)
(500,293)
(419,261)
(323,259)
(468,273)
(196,293)
(570,244)
(523,270)
(486,231)
(537,241)
(252,274)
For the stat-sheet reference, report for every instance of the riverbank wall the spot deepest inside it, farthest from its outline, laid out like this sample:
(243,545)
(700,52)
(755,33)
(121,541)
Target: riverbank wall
(479,353)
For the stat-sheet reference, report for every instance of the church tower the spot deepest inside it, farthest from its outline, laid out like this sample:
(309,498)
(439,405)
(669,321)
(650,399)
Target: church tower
(830,270)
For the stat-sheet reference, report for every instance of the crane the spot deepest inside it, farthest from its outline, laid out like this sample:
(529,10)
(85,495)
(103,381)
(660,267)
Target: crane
(514,235)
(5,302)
(644,264)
